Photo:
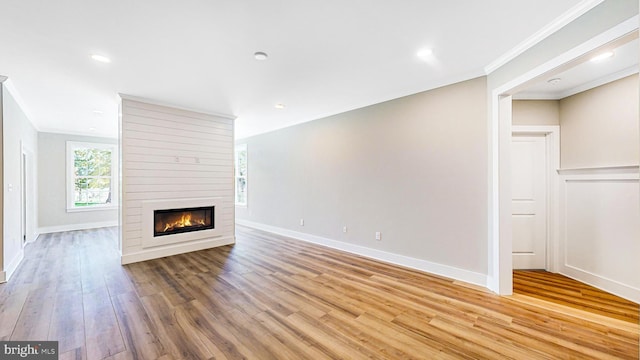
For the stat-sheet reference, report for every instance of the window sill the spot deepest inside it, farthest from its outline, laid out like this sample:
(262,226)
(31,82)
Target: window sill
(241,206)
(92,208)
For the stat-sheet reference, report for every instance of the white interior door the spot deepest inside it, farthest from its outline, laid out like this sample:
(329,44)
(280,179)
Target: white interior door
(528,188)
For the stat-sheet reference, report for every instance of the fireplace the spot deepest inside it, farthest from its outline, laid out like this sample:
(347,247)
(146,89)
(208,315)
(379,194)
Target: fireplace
(173,221)
(177,221)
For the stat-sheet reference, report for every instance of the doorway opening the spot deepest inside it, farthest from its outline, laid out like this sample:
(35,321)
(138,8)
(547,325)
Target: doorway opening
(501,258)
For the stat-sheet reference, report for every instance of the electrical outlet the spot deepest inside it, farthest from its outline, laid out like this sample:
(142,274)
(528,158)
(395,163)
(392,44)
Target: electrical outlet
(378,235)
(301,222)
(344,229)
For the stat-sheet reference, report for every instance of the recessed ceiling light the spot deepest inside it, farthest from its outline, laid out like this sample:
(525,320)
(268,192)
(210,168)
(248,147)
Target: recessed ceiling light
(280,106)
(554,81)
(97,112)
(260,55)
(425,54)
(100,58)
(92,129)
(603,56)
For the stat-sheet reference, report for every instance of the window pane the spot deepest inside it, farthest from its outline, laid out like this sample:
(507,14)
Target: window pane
(81,168)
(242,163)
(241,190)
(92,176)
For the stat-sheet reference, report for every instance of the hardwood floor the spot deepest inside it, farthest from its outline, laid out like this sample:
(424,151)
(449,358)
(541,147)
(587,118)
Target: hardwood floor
(268,297)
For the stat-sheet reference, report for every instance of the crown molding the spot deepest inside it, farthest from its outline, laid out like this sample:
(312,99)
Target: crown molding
(557,24)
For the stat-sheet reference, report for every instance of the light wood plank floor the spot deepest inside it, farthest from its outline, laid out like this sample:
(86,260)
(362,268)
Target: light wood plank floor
(268,297)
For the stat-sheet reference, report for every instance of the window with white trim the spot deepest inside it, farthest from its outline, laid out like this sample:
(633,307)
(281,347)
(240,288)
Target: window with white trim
(241,166)
(91,176)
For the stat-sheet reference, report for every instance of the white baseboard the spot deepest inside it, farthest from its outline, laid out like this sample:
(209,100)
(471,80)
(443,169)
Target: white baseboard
(74,227)
(617,288)
(406,261)
(169,250)
(13,265)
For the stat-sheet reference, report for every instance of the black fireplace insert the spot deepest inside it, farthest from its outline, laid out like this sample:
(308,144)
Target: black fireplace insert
(176,221)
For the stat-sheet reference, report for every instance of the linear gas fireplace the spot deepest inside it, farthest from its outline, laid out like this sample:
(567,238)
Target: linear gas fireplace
(173,221)
(176,221)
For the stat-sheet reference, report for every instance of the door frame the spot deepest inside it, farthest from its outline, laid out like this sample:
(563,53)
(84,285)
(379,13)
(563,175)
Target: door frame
(551,134)
(500,271)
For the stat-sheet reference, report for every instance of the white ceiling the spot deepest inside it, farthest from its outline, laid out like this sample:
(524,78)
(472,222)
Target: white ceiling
(325,57)
(586,75)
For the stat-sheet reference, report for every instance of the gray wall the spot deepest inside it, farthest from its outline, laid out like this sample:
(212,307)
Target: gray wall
(599,127)
(53,213)
(536,112)
(18,133)
(413,168)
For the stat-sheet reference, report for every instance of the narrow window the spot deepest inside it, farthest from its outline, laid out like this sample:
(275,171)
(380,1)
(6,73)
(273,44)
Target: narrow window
(241,174)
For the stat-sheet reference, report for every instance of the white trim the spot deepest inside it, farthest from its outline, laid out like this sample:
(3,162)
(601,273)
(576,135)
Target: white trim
(3,275)
(78,133)
(499,255)
(173,106)
(176,249)
(3,79)
(396,259)
(621,169)
(552,134)
(13,265)
(575,12)
(606,174)
(74,227)
(612,286)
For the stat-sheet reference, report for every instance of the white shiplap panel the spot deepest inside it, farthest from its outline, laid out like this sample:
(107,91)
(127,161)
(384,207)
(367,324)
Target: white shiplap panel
(184,159)
(172,153)
(150,145)
(133,150)
(176,166)
(181,131)
(154,180)
(178,115)
(169,124)
(182,174)
(185,187)
(178,194)
(216,141)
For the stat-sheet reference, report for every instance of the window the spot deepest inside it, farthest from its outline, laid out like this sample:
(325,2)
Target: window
(91,176)
(241,174)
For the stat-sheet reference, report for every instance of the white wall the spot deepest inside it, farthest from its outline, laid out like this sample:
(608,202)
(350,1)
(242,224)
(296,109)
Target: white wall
(18,134)
(52,187)
(169,154)
(600,213)
(413,168)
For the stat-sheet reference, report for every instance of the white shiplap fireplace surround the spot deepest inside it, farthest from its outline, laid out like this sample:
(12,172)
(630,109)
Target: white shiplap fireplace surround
(173,158)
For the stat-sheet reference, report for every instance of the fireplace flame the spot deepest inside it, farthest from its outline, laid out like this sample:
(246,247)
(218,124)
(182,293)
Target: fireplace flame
(184,221)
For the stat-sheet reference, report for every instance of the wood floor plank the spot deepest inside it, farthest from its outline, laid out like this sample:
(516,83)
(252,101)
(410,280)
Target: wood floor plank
(35,317)
(67,321)
(270,297)
(102,333)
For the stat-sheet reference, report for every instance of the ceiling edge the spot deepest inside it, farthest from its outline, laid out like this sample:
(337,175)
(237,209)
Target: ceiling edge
(557,24)
(8,84)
